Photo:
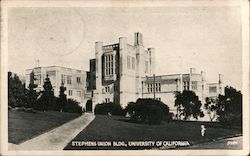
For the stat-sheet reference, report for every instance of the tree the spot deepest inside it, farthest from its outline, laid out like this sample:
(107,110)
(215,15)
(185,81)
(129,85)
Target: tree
(16,95)
(47,99)
(31,94)
(62,98)
(229,107)
(210,106)
(72,106)
(106,108)
(188,104)
(148,111)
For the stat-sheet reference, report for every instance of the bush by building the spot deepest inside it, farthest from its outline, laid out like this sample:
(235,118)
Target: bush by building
(229,107)
(109,108)
(148,111)
(72,106)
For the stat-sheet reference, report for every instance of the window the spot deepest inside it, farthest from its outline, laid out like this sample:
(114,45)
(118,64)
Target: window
(70,92)
(194,85)
(128,62)
(107,89)
(146,66)
(157,87)
(186,85)
(78,79)
(68,79)
(213,89)
(159,99)
(107,100)
(37,79)
(63,79)
(133,63)
(79,93)
(108,65)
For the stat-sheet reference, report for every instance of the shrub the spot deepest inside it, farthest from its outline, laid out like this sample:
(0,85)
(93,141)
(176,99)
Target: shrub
(72,106)
(105,108)
(148,111)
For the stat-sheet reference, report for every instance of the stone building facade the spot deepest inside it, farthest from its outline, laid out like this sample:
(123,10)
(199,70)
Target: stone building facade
(119,71)
(122,73)
(74,80)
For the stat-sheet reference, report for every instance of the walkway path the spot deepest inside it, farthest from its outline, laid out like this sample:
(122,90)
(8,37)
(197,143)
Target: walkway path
(57,138)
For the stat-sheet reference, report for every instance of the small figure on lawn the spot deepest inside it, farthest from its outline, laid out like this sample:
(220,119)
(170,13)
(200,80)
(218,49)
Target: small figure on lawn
(109,114)
(203,129)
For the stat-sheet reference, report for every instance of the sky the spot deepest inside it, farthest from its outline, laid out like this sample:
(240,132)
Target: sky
(205,38)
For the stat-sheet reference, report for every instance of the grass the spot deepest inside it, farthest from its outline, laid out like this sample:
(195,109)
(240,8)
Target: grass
(105,128)
(23,126)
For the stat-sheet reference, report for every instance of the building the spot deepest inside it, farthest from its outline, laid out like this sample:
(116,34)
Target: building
(74,80)
(122,73)
(164,87)
(119,71)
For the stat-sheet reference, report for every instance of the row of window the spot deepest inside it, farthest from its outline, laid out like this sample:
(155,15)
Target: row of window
(68,79)
(107,89)
(131,62)
(64,78)
(108,64)
(107,100)
(78,93)
(151,87)
(194,85)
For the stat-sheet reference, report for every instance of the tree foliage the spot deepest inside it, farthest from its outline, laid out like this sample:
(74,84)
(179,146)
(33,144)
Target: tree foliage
(148,111)
(188,104)
(16,91)
(229,107)
(72,106)
(106,108)
(31,94)
(62,100)
(47,100)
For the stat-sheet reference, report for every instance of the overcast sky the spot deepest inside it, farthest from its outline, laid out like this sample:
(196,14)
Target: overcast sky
(205,38)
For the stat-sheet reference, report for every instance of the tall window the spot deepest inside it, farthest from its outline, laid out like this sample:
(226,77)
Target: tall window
(157,87)
(146,66)
(107,89)
(186,85)
(194,85)
(128,62)
(68,79)
(63,79)
(78,79)
(70,92)
(108,59)
(107,100)
(133,63)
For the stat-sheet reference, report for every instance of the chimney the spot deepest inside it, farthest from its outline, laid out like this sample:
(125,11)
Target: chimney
(220,78)
(138,38)
(192,71)
(203,75)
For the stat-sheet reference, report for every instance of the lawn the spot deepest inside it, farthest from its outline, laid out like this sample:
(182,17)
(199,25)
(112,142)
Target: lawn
(105,128)
(23,126)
